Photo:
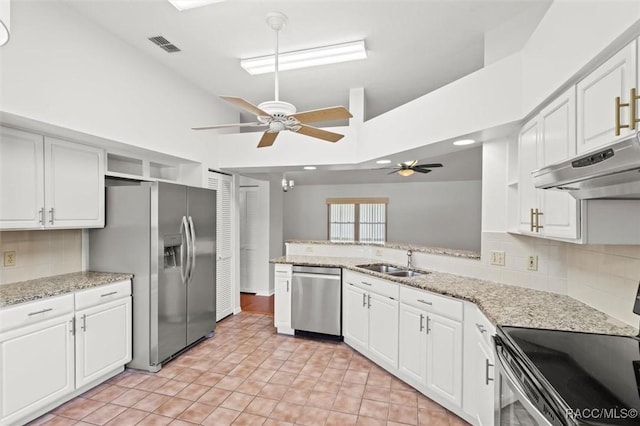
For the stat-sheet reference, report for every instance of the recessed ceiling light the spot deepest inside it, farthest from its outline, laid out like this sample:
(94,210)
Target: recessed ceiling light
(464,142)
(190,4)
(306,58)
(309,167)
(383,161)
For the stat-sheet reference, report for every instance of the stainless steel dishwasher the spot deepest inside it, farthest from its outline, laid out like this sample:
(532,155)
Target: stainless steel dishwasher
(316,296)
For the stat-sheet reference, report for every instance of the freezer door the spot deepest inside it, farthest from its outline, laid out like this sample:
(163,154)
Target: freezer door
(172,291)
(201,287)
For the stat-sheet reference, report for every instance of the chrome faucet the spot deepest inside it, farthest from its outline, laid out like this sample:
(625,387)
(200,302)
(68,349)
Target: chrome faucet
(409,263)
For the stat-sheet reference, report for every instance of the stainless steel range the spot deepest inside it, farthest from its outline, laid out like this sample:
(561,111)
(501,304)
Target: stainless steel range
(565,378)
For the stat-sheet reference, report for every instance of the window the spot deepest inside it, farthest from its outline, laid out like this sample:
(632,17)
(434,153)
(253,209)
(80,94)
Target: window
(357,220)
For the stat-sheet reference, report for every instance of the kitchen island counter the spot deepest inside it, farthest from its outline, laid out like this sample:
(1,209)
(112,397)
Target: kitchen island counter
(503,304)
(40,288)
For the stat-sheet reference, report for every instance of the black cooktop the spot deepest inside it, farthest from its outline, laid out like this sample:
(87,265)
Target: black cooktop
(589,371)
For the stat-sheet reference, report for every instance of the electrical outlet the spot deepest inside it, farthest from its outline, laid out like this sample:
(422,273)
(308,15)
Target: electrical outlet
(308,249)
(497,257)
(378,253)
(10,258)
(532,263)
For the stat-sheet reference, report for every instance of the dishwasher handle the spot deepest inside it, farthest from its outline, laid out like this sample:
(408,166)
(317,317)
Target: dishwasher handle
(321,276)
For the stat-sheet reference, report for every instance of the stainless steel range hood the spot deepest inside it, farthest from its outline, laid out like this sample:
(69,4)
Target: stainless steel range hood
(608,172)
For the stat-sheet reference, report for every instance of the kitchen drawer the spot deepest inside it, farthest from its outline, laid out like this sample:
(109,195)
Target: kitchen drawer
(105,293)
(431,302)
(283,270)
(371,283)
(33,312)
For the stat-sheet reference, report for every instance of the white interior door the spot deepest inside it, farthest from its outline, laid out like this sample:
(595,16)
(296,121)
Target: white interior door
(249,222)
(223,184)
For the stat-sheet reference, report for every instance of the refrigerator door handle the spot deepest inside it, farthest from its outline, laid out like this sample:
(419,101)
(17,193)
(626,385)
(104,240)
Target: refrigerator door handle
(192,230)
(186,264)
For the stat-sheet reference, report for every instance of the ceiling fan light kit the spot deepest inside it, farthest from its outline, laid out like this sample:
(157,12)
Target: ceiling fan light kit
(277,115)
(405,172)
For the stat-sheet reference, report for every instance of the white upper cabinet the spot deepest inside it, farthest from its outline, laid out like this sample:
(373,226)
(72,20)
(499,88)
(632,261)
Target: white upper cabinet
(74,185)
(596,99)
(49,183)
(547,139)
(21,179)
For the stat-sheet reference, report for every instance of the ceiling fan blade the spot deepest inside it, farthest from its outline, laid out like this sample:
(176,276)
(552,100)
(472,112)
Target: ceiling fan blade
(314,132)
(268,138)
(324,114)
(421,170)
(222,126)
(429,165)
(392,172)
(246,105)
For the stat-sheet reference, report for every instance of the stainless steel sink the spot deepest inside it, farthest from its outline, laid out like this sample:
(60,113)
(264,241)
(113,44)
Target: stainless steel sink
(406,274)
(391,270)
(381,267)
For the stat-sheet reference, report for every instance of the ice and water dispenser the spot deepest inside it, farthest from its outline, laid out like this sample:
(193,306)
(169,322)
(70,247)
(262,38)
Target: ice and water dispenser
(172,251)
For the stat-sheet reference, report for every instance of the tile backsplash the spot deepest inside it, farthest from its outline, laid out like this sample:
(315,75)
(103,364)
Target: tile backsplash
(40,253)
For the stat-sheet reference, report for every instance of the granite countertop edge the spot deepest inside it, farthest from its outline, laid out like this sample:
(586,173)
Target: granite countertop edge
(467,254)
(56,285)
(503,304)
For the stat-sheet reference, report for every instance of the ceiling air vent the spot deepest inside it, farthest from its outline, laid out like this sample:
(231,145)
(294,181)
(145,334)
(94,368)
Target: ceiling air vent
(164,44)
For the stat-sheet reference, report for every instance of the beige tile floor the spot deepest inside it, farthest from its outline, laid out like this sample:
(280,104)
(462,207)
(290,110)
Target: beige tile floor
(248,375)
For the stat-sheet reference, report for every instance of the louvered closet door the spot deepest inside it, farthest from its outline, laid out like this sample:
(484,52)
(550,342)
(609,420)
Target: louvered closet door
(223,184)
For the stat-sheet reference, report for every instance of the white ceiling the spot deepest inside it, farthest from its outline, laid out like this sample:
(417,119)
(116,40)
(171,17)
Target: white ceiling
(414,46)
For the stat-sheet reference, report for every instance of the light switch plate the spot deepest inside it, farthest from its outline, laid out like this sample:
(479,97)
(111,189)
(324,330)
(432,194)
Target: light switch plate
(497,257)
(10,258)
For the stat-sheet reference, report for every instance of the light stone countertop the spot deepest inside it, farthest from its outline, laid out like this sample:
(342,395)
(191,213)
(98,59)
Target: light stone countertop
(468,254)
(503,304)
(27,291)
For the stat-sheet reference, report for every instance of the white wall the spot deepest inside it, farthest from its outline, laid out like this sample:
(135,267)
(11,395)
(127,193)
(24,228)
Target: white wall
(276,223)
(41,254)
(62,69)
(439,214)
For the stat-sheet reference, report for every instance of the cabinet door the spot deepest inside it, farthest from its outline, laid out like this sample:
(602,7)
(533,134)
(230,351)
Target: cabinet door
(36,368)
(383,329)
(282,304)
(412,363)
(596,99)
(21,179)
(444,358)
(556,142)
(527,162)
(74,191)
(484,373)
(103,339)
(355,320)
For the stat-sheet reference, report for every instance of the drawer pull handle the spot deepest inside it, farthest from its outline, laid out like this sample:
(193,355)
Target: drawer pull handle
(425,302)
(366,283)
(486,372)
(40,312)
(481,328)
(111,293)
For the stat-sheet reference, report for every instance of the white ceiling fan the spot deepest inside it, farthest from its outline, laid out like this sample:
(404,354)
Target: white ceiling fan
(278,115)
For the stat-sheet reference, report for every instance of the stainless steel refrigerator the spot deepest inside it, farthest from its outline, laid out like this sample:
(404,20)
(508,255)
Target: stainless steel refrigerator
(165,234)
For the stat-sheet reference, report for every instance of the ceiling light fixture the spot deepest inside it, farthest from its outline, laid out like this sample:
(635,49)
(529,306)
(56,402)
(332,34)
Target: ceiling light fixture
(306,58)
(310,167)
(190,4)
(464,142)
(5,24)
(383,161)
(405,172)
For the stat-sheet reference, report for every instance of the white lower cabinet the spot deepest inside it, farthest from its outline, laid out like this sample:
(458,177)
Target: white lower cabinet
(56,348)
(282,298)
(370,317)
(479,366)
(36,367)
(431,344)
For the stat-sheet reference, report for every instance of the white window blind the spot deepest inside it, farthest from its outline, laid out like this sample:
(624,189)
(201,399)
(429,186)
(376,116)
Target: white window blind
(357,220)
